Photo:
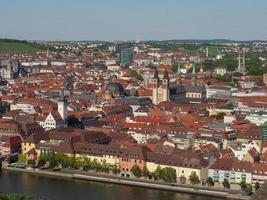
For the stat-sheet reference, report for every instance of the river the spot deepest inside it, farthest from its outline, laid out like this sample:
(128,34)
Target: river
(50,188)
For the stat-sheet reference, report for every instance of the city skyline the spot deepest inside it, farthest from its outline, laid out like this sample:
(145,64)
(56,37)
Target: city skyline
(125,20)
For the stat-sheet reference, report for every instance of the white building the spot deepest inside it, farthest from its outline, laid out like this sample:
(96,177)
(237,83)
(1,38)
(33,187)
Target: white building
(141,137)
(241,151)
(231,169)
(257,118)
(50,121)
(220,71)
(25,107)
(218,91)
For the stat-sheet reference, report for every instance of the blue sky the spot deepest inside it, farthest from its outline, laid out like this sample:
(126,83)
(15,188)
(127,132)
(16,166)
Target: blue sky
(133,19)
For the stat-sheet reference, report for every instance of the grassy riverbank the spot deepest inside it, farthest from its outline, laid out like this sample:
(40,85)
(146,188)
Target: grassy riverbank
(13,197)
(204,191)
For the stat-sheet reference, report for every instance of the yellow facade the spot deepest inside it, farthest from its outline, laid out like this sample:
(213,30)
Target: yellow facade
(27,147)
(180,171)
(109,159)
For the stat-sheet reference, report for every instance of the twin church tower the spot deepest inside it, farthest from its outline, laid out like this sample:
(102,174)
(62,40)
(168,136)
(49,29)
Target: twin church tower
(161,87)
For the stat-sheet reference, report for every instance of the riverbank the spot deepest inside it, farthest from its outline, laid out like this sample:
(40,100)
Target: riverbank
(137,183)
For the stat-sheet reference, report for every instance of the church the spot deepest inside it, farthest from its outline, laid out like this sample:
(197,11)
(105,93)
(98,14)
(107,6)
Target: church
(163,90)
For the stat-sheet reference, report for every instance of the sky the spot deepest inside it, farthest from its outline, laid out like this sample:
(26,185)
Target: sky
(112,20)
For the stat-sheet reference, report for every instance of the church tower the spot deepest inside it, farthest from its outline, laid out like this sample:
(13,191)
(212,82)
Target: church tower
(194,79)
(165,86)
(155,85)
(62,108)
(160,88)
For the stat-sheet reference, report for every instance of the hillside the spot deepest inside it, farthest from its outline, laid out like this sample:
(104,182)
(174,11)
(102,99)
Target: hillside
(16,46)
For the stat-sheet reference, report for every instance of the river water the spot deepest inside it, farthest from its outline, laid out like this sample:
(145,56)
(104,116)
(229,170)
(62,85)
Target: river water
(50,188)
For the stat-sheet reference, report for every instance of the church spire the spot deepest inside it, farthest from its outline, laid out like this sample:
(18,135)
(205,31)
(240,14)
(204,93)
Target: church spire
(166,75)
(156,74)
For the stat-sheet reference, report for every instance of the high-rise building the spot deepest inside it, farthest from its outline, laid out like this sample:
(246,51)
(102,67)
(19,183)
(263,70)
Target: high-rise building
(126,57)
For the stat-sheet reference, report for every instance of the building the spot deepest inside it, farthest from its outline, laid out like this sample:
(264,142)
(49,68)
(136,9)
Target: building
(10,69)
(51,120)
(62,110)
(160,88)
(218,92)
(258,118)
(187,93)
(220,71)
(126,57)
(231,169)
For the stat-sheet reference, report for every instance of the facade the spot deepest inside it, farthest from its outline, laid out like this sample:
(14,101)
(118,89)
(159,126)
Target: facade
(183,165)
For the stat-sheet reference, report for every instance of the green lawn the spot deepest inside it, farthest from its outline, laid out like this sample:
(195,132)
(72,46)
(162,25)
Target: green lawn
(17,47)
(213,51)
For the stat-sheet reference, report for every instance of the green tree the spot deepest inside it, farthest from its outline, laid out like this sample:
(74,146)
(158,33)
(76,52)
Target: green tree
(219,116)
(169,175)
(194,179)
(137,172)
(225,78)
(226,183)
(210,181)
(113,54)
(257,186)
(136,75)
(53,161)
(145,172)
(174,68)
(22,158)
(166,174)
(42,160)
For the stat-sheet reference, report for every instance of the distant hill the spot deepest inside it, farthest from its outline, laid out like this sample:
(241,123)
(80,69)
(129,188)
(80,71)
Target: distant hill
(19,46)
